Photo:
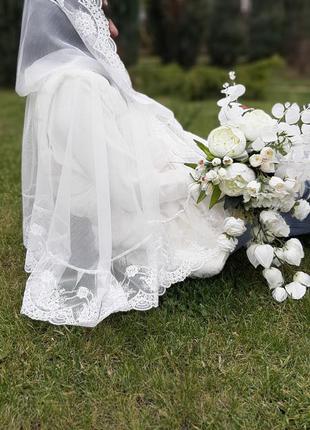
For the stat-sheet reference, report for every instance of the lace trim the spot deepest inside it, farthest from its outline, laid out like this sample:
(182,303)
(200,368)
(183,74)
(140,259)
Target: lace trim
(93,27)
(93,297)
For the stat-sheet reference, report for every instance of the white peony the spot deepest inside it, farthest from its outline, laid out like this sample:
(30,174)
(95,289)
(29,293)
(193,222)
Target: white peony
(293,252)
(238,177)
(279,294)
(274,223)
(274,277)
(257,124)
(234,227)
(303,278)
(278,184)
(226,141)
(296,290)
(260,255)
(301,210)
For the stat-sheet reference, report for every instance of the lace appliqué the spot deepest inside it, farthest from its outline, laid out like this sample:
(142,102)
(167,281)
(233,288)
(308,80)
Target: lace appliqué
(93,27)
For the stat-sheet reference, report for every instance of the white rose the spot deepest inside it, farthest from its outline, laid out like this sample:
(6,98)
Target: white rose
(216,162)
(238,177)
(293,252)
(234,227)
(227,244)
(295,290)
(286,204)
(253,188)
(274,277)
(260,255)
(303,278)
(279,294)
(278,184)
(256,123)
(301,210)
(256,160)
(226,141)
(267,154)
(211,176)
(274,223)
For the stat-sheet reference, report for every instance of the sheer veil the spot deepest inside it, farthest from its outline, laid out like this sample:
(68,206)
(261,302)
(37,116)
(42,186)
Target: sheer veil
(71,33)
(105,192)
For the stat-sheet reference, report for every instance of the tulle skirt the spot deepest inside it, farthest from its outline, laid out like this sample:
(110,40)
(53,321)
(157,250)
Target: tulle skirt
(110,219)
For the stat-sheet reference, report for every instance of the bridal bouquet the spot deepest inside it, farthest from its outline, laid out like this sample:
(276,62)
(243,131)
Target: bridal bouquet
(257,164)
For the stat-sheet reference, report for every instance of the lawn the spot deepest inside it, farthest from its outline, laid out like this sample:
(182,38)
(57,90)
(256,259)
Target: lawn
(217,354)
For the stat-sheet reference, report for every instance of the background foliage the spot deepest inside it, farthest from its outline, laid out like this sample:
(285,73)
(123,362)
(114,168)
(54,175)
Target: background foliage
(226,40)
(221,33)
(126,17)
(10,18)
(174,40)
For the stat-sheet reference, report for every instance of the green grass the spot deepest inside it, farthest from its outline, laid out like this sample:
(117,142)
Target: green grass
(217,354)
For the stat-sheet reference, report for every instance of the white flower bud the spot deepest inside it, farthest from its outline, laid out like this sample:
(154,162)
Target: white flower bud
(216,162)
(256,160)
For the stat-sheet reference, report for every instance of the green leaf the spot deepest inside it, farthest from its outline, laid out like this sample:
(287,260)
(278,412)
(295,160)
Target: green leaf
(201,197)
(216,194)
(191,165)
(205,150)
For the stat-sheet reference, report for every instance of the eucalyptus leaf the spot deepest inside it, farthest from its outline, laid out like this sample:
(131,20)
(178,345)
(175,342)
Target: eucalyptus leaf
(216,194)
(201,197)
(191,165)
(205,150)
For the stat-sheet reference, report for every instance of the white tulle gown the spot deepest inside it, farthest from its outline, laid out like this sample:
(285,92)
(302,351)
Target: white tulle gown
(110,219)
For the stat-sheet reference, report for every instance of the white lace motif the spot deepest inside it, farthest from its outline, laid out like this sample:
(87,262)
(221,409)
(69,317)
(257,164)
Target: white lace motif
(93,27)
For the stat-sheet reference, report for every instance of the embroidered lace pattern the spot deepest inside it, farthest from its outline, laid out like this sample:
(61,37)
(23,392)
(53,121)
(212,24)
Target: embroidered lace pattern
(89,298)
(93,27)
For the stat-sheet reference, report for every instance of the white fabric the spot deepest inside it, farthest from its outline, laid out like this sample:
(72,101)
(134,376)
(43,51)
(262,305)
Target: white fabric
(109,219)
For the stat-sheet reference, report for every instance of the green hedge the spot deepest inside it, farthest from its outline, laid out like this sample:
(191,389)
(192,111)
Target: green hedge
(201,82)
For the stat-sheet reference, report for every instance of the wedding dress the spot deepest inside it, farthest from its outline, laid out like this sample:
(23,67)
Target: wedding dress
(109,214)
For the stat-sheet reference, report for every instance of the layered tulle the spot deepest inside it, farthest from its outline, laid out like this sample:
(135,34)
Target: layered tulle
(110,219)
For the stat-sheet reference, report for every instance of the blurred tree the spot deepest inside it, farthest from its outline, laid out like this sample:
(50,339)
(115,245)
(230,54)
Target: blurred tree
(297,46)
(178,28)
(266,28)
(10,22)
(227,32)
(125,14)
